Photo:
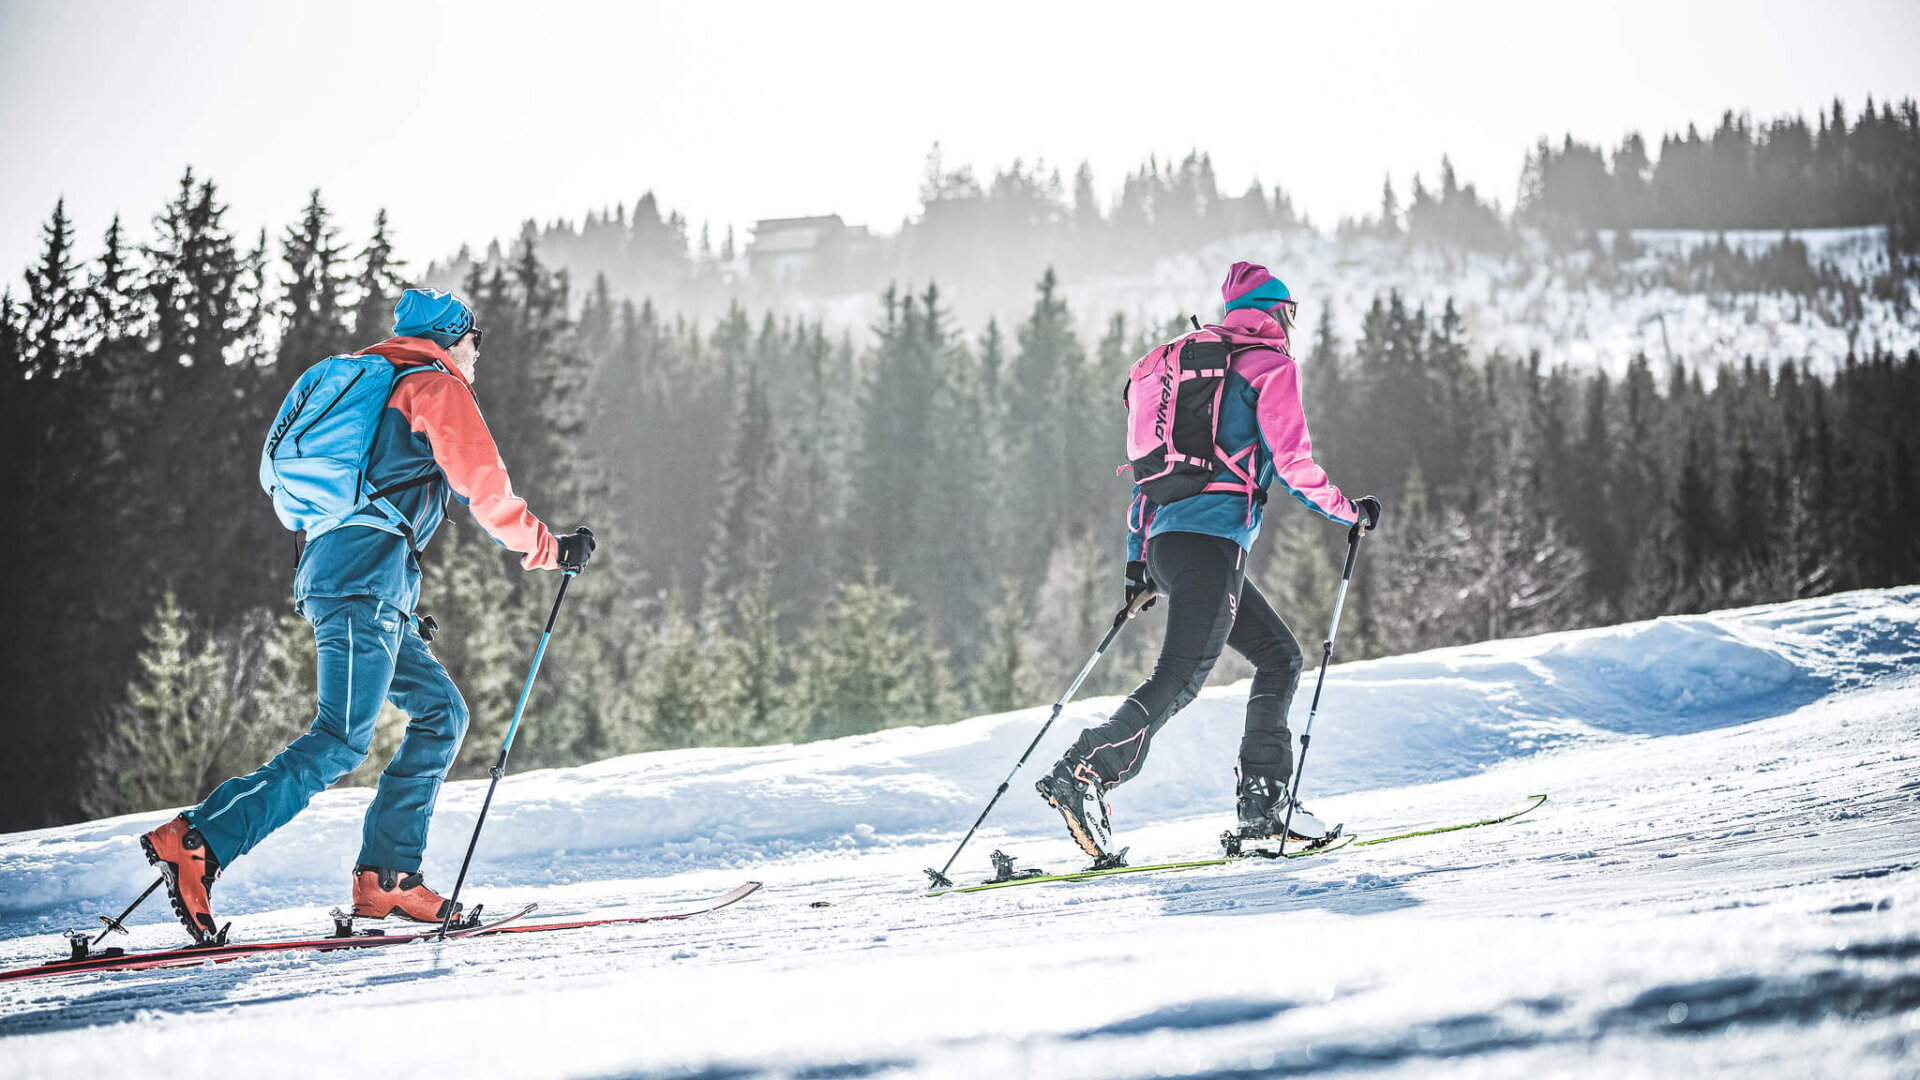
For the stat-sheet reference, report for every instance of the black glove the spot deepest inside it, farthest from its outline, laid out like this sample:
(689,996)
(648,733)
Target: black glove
(575,549)
(1137,583)
(1369,508)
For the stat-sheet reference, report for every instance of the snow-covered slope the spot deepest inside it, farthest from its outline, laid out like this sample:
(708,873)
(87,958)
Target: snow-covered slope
(1729,855)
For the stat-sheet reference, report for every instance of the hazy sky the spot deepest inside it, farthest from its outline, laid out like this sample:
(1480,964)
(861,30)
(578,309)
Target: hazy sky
(464,119)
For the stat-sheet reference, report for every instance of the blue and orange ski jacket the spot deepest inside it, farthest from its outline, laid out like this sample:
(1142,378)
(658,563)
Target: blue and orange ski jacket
(432,435)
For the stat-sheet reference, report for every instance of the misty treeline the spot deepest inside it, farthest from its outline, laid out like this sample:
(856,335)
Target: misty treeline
(992,233)
(986,236)
(1784,173)
(807,534)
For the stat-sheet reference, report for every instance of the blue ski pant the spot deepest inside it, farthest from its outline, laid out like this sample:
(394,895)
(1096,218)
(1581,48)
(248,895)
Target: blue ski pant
(369,653)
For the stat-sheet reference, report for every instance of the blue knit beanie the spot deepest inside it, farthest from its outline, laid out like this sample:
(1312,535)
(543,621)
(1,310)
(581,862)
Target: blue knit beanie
(1262,296)
(440,317)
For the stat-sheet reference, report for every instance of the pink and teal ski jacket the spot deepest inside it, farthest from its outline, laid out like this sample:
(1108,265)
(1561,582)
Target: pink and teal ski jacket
(1260,407)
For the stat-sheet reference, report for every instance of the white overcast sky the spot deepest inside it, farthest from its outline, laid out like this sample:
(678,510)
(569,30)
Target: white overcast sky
(464,119)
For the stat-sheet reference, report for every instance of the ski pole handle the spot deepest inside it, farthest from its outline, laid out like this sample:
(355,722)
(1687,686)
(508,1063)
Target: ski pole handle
(1139,603)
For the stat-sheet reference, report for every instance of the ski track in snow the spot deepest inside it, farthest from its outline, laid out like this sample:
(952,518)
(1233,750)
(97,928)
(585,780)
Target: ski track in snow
(1725,878)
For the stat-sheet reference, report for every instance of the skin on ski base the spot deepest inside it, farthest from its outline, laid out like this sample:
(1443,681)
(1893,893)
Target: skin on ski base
(1533,803)
(219,954)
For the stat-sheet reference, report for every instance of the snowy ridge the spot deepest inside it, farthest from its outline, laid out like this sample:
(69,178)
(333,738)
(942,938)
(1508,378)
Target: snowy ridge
(1387,723)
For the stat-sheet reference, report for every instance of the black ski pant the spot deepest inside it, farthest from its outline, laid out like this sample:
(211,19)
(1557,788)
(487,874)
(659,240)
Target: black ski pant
(1210,604)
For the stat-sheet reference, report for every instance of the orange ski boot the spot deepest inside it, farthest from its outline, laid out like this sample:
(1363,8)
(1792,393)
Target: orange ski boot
(180,852)
(379,893)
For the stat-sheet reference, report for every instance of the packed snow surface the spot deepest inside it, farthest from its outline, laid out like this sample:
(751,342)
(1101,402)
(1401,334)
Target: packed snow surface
(1726,877)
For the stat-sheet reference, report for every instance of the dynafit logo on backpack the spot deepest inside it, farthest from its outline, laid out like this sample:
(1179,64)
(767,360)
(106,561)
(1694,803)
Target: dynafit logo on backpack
(1166,399)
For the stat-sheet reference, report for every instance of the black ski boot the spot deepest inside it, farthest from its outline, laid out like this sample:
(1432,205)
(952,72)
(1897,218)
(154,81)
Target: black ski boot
(1076,791)
(1262,804)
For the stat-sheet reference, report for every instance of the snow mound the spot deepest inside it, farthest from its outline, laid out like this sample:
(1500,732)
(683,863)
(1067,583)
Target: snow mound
(1385,723)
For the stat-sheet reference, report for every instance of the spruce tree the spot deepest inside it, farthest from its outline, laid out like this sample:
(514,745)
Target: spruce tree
(115,315)
(863,669)
(742,540)
(315,318)
(376,285)
(760,708)
(51,311)
(1000,681)
(1047,417)
(1389,210)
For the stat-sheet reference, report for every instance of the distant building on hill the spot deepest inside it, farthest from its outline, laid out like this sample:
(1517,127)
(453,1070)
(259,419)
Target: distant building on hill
(814,249)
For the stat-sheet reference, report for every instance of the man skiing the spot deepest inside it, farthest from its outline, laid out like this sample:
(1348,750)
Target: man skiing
(1194,550)
(358,583)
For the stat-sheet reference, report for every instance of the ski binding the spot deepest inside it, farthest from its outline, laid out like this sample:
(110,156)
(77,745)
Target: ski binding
(1003,869)
(1236,844)
(343,923)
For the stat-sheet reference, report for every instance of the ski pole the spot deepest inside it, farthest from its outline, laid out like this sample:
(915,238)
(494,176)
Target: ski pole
(940,879)
(117,924)
(1326,657)
(500,765)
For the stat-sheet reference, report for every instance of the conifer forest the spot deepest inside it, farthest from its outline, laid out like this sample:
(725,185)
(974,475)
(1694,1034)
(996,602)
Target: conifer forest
(812,527)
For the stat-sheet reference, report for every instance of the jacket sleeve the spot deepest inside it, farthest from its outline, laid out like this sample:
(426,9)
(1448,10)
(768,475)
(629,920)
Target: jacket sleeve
(1283,424)
(443,410)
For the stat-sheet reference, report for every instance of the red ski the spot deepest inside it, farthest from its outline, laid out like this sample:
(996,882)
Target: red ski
(738,894)
(193,956)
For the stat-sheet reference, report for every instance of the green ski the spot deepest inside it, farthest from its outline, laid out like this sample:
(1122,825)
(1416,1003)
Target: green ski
(1009,877)
(1086,875)
(1533,803)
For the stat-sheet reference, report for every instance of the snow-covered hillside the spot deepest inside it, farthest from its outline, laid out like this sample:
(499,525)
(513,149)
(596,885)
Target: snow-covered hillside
(1532,300)
(1529,299)
(1726,876)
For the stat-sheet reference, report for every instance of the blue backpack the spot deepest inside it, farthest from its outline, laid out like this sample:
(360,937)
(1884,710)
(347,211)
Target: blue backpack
(314,463)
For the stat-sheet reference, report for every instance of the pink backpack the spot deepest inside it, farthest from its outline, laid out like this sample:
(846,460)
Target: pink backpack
(1173,414)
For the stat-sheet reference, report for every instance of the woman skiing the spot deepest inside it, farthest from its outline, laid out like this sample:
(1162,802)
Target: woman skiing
(1194,550)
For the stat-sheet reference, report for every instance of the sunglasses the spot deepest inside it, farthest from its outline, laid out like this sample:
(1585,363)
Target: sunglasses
(477,335)
(1286,311)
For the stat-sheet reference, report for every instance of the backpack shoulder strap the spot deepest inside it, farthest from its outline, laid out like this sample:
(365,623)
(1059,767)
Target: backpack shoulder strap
(381,499)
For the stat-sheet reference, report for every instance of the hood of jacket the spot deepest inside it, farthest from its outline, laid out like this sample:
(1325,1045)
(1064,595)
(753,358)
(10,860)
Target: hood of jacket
(415,352)
(1251,326)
